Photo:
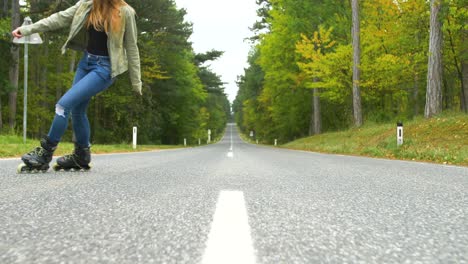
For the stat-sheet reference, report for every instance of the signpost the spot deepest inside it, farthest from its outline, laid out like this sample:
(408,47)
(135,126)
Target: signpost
(26,40)
(399,133)
(135,137)
(209,136)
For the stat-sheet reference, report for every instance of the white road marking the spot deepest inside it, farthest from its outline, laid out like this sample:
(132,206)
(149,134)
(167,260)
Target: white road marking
(230,154)
(229,241)
(231,139)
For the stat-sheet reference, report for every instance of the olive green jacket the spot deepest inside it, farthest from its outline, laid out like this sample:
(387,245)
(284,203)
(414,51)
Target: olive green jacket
(122,45)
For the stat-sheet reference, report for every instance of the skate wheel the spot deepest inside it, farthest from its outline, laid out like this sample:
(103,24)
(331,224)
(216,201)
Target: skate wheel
(56,167)
(43,169)
(87,168)
(22,168)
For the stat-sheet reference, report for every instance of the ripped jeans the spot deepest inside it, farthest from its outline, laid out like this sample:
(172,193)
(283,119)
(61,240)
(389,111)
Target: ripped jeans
(92,77)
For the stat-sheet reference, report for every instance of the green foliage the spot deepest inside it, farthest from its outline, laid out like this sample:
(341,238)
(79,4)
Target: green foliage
(181,97)
(306,45)
(5,85)
(5,30)
(249,113)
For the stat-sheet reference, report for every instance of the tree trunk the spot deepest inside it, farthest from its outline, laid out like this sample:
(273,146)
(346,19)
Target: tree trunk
(317,113)
(312,114)
(1,119)
(447,97)
(459,66)
(416,81)
(357,109)
(315,125)
(464,91)
(5,8)
(434,73)
(14,67)
(464,72)
(416,95)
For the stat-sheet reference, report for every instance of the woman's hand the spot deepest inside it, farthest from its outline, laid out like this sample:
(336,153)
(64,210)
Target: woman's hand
(16,33)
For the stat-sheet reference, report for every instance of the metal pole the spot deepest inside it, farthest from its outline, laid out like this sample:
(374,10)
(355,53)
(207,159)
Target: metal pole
(25,107)
(33,39)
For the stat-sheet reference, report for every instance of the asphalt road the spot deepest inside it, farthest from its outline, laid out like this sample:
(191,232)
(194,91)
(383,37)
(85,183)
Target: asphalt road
(249,204)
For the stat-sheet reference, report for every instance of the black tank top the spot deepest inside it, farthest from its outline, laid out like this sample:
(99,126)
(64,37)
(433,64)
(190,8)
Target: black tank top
(97,42)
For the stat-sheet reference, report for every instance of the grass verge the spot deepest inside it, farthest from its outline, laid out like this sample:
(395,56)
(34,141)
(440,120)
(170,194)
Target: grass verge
(13,146)
(442,139)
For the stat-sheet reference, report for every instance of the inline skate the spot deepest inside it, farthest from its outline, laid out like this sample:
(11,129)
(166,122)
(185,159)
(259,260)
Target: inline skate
(77,161)
(39,158)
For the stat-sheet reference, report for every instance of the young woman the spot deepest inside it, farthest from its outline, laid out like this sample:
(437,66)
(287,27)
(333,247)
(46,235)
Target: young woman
(106,31)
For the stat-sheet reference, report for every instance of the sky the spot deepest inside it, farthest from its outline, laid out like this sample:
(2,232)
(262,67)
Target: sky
(222,25)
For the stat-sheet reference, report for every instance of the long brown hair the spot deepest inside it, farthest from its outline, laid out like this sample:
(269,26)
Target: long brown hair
(105,15)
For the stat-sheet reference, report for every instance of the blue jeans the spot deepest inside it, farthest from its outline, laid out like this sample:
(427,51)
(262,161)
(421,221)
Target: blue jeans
(92,77)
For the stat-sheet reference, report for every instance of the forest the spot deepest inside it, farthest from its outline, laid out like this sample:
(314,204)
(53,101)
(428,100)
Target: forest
(182,96)
(327,65)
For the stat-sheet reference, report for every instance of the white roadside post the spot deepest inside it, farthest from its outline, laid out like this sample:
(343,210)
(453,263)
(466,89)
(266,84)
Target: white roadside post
(32,39)
(185,142)
(399,133)
(199,142)
(276,142)
(209,136)
(134,137)
(257,141)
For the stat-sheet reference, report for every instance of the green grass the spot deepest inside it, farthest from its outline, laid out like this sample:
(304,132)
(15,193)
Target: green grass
(13,146)
(442,139)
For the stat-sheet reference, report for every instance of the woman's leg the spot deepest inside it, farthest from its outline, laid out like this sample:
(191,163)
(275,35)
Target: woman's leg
(81,124)
(102,77)
(79,95)
(60,122)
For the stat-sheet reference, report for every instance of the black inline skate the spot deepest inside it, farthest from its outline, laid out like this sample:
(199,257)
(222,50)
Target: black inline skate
(78,160)
(39,158)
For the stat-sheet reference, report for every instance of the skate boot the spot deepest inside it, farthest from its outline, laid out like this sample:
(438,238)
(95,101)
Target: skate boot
(39,158)
(78,160)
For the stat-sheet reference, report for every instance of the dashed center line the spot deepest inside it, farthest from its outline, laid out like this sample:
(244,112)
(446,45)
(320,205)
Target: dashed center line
(230,154)
(229,240)
(231,139)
